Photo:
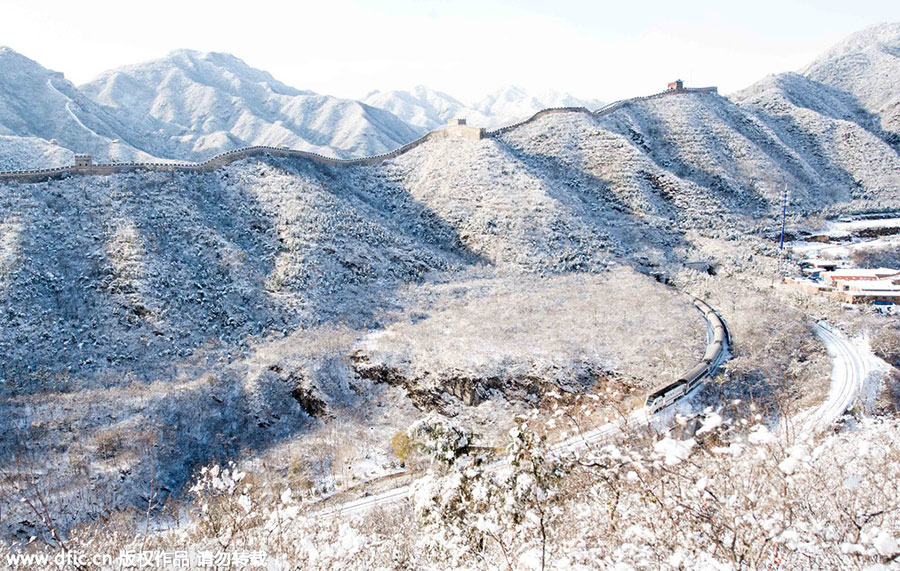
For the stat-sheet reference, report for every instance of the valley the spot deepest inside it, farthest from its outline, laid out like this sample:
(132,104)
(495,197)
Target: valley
(300,326)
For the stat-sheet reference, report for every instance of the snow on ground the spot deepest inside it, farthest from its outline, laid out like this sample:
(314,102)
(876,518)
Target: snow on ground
(855,379)
(24,153)
(842,227)
(566,330)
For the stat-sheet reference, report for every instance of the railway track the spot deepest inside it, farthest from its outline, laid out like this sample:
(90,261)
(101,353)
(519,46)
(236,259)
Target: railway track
(716,351)
(849,371)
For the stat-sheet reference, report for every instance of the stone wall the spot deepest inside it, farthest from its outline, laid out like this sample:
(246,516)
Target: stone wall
(456,129)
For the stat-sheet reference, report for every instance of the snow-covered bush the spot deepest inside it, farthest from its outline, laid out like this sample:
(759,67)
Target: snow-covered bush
(442,440)
(226,502)
(503,510)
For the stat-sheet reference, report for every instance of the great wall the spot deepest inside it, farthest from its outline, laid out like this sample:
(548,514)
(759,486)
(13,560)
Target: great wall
(456,129)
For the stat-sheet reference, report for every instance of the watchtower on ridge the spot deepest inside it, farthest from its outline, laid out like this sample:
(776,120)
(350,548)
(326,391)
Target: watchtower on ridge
(459,128)
(677,86)
(83,161)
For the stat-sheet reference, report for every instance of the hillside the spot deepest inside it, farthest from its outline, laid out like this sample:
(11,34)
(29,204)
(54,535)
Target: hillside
(36,103)
(200,104)
(244,293)
(23,153)
(745,154)
(289,243)
(866,65)
(278,251)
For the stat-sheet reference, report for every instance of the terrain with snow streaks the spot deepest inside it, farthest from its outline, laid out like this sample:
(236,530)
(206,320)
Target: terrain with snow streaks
(866,66)
(429,109)
(201,104)
(44,109)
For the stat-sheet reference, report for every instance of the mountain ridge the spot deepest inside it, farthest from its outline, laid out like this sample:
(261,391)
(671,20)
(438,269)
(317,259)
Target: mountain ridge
(208,102)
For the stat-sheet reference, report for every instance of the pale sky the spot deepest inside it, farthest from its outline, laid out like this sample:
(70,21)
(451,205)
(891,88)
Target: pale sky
(607,50)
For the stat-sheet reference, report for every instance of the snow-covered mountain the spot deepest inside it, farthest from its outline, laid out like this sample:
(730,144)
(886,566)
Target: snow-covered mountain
(429,109)
(41,106)
(24,153)
(205,103)
(278,297)
(510,104)
(866,65)
(422,107)
(850,87)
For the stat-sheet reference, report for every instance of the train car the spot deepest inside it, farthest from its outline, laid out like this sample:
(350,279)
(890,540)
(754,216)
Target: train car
(668,394)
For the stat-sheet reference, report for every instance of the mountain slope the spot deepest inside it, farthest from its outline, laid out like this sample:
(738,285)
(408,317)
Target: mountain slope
(853,82)
(866,65)
(746,153)
(511,104)
(161,265)
(205,103)
(25,153)
(422,107)
(41,104)
(170,262)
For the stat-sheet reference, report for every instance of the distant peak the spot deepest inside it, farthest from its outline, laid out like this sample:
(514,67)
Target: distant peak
(881,37)
(14,58)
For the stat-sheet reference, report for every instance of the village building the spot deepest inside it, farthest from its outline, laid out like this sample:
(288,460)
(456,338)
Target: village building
(859,274)
(880,286)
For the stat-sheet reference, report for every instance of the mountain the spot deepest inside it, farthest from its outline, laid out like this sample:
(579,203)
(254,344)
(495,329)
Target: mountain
(851,88)
(866,65)
(421,107)
(199,104)
(287,243)
(429,109)
(39,104)
(276,294)
(26,153)
(510,104)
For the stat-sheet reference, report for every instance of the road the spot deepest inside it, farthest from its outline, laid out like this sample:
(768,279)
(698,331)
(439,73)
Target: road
(851,365)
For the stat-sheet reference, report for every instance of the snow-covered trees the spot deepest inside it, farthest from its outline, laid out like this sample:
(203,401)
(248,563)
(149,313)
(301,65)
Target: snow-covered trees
(499,511)
(442,440)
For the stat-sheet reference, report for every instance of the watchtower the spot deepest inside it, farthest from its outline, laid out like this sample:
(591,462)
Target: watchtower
(83,161)
(459,128)
(676,86)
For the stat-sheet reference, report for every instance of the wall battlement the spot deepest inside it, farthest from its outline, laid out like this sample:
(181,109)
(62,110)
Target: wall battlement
(456,129)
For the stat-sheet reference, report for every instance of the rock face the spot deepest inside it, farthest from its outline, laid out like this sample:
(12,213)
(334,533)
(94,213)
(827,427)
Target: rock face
(431,391)
(199,104)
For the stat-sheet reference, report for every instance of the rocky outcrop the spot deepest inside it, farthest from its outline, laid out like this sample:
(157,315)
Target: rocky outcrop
(431,391)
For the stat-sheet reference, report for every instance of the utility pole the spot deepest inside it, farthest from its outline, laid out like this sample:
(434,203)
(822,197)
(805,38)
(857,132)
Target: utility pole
(784,203)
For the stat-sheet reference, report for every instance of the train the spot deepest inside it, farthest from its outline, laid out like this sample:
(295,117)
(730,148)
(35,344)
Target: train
(668,394)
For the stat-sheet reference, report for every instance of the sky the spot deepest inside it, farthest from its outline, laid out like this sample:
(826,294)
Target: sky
(468,48)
